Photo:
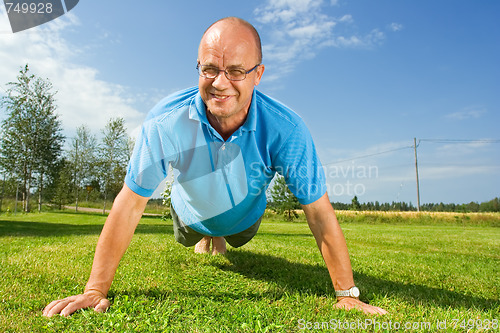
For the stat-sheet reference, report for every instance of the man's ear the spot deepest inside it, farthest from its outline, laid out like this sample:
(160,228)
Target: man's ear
(260,71)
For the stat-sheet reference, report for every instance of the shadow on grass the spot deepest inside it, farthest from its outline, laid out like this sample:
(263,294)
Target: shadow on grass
(315,279)
(47,229)
(285,235)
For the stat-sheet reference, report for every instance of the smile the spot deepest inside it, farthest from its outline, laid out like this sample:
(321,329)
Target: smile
(221,98)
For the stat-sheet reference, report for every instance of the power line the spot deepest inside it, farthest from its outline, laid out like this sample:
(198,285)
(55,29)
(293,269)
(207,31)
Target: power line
(453,141)
(459,141)
(369,155)
(416,144)
(416,173)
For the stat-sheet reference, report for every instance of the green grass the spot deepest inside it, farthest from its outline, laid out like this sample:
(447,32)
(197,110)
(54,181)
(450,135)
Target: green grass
(446,274)
(9,206)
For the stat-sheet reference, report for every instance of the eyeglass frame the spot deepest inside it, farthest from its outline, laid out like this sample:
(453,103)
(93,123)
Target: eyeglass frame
(198,66)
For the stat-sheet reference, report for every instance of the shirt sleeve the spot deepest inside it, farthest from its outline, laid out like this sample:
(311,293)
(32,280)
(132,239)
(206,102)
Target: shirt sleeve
(152,154)
(299,163)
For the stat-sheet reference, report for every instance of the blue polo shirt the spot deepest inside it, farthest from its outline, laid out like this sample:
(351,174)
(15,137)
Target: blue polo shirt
(220,186)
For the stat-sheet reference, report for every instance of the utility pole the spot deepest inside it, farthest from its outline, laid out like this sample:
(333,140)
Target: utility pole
(77,181)
(416,172)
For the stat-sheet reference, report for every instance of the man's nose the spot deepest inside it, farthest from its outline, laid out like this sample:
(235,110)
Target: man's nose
(221,81)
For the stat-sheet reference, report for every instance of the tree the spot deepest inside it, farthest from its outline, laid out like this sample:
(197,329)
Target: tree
(62,186)
(167,194)
(355,205)
(490,206)
(32,140)
(283,200)
(83,158)
(114,153)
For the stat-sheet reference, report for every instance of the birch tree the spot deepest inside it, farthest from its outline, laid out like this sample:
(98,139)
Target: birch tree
(114,154)
(283,200)
(32,141)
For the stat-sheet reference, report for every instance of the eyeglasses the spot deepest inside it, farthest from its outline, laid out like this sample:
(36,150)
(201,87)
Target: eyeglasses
(232,74)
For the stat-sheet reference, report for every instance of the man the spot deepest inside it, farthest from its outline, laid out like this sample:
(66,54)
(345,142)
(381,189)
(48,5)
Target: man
(226,141)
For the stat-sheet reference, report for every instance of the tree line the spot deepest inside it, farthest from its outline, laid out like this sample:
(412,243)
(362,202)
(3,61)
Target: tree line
(33,161)
(282,201)
(487,206)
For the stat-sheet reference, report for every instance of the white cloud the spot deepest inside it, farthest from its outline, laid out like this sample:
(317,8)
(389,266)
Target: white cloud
(458,150)
(82,97)
(395,26)
(286,10)
(452,159)
(467,113)
(299,29)
(456,171)
(346,18)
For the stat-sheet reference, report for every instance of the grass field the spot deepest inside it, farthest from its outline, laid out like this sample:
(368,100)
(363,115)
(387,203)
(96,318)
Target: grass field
(443,272)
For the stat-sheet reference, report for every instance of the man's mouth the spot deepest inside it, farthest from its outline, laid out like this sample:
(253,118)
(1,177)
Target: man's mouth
(221,98)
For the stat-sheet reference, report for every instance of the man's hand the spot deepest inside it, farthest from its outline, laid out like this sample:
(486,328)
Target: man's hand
(68,305)
(348,303)
(113,242)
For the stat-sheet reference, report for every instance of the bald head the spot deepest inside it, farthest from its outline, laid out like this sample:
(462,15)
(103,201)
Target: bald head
(238,26)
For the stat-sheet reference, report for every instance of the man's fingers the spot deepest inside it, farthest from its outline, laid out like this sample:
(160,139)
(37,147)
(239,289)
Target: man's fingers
(374,310)
(49,307)
(103,305)
(352,303)
(79,303)
(56,307)
(71,304)
(381,311)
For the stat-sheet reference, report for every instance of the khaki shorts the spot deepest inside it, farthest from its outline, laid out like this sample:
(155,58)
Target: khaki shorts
(188,237)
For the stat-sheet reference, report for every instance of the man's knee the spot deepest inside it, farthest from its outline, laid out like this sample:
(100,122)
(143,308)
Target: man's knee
(245,236)
(235,241)
(187,241)
(183,234)
(188,237)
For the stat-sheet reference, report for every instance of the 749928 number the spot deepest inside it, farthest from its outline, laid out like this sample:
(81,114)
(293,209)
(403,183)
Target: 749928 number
(471,324)
(33,8)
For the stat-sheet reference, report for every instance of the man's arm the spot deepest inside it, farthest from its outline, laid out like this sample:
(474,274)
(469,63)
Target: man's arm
(332,245)
(113,242)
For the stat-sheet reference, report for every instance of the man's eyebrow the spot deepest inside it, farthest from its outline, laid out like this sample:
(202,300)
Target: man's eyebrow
(237,66)
(208,64)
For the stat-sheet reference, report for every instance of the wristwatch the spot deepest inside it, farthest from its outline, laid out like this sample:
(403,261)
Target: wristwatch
(353,292)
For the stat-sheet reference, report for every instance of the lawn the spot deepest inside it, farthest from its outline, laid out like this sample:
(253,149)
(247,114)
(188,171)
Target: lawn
(429,276)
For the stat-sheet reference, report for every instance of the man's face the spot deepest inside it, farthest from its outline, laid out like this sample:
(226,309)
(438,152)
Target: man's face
(227,46)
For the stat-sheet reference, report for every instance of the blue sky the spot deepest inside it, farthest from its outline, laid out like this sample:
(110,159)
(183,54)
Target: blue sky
(366,76)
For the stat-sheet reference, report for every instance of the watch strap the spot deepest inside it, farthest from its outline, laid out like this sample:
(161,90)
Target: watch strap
(343,293)
(352,292)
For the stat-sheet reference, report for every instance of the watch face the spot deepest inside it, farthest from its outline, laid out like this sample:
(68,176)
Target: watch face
(354,292)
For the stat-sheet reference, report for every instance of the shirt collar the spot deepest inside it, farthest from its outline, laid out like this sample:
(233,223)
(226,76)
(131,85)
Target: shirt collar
(251,122)
(198,111)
